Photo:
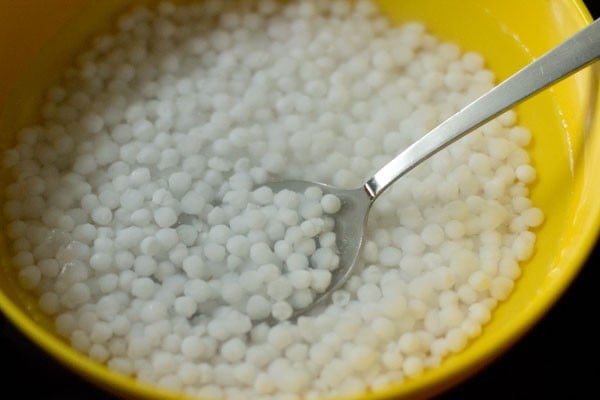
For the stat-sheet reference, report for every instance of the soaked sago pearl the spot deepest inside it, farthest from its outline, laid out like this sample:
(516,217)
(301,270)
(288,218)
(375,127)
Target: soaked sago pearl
(138,209)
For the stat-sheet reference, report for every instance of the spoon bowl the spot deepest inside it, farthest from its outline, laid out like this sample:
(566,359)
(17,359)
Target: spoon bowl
(350,222)
(573,54)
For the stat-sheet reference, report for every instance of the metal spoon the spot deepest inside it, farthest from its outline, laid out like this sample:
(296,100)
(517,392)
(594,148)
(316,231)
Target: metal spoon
(578,51)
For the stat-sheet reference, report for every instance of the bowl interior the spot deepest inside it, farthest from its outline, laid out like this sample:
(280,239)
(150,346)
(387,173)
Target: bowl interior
(565,152)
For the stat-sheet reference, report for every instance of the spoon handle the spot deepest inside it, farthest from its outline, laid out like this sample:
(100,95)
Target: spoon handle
(578,51)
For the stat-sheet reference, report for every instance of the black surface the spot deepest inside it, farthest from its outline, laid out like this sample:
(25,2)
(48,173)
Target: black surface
(547,363)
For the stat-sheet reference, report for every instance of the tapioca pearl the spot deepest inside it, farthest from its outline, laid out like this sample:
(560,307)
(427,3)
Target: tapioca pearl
(167,238)
(16,229)
(300,279)
(451,316)
(371,274)
(151,246)
(239,225)
(189,373)
(283,249)
(392,357)
(233,350)
(261,253)
(412,265)
(454,229)
(525,173)
(390,256)
(471,328)
(347,327)
(325,258)
(509,267)
(125,279)
(23,259)
(145,265)
(258,236)
(179,183)
(280,337)
(321,354)
(331,204)
(186,234)
(507,118)
(288,216)
(251,281)
(306,247)
(499,148)
(232,292)
(49,303)
(237,199)
(141,217)
(75,251)
(259,175)
(161,197)
(198,290)
(220,234)
(294,235)
(370,251)
(238,245)
(313,193)
(518,157)
(148,155)
(301,298)
(80,341)
(153,311)
(297,352)
(520,135)
(258,307)
(143,288)
(480,281)
(280,288)
(256,219)
(320,280)
(456,340)
(30,277)
(533,217)
(479,312)
(124,260)
(444,278)
(178,253)
(412,244)
(49,268)
(194,267)
(269,272)
(102,215)
(263,195)
(311,227)
(193,347)
(433,235)
(410,343)
(66,323)
(101,262)
(108,282)
(76,295)
(523,246)
(132,199)
(287,199)
(165,217)
(140,176)
(282,310)
(480,164)
(369,293)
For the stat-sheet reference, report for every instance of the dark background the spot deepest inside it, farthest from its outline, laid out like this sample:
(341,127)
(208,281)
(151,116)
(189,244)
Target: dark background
(547,363)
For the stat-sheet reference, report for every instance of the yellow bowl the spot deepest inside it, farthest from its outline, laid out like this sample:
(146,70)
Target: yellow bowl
(566,153)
